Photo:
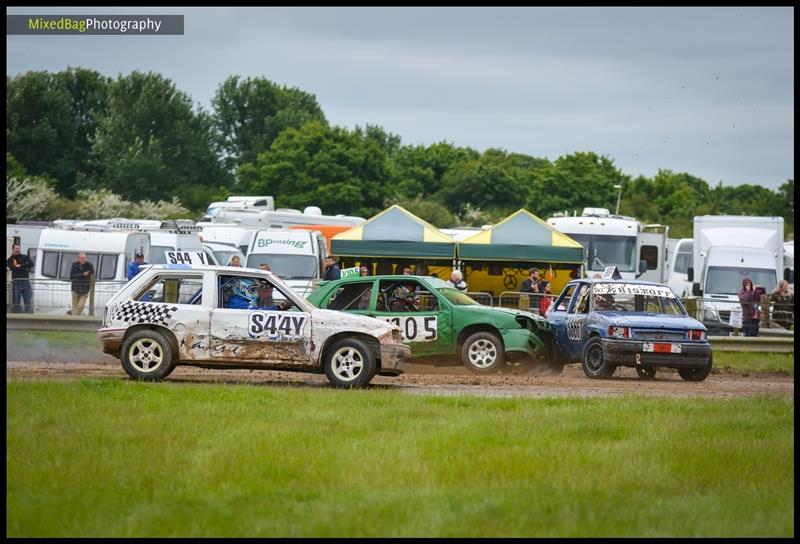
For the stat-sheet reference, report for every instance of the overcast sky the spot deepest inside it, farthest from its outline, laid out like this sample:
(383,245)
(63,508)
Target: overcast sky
(708,91)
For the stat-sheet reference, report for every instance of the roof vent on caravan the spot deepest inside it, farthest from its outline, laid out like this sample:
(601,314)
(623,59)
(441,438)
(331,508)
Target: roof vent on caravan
(312,210)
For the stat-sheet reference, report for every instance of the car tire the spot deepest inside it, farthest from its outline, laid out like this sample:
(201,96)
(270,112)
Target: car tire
(349,363)
(593,360)
(646,372)
(483,353)
(697,373)
(147,355)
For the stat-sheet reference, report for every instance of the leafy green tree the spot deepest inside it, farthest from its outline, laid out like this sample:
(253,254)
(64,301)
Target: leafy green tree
(582,179)
(249,115)
(339,170)
(420,170)
(50,118)
(152,144)
(490,182)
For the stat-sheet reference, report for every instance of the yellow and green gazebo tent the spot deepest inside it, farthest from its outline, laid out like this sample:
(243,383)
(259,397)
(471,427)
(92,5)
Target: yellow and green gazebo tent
(521,237)
(394,232)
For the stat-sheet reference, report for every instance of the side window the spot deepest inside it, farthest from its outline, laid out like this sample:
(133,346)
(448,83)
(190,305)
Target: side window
(248,292)
(50,264)
(563,304)
(353,296)
(649,254)
(173,290)
(405,296)
(68,258)
(108,267)
(581,300)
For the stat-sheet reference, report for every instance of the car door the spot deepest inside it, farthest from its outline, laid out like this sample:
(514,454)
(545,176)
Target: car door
(179,301)
(568,317)
(426,325)
(255,335)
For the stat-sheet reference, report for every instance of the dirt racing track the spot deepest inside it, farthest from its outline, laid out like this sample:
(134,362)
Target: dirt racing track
(426,380)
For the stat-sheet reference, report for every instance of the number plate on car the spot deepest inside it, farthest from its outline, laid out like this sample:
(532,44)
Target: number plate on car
(661,348)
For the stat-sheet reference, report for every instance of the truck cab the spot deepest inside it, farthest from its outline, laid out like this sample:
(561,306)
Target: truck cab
(296,256)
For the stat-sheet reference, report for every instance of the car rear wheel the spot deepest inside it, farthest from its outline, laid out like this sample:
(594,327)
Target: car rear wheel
(594,361)
(697,373)
(482,353)
(646,372)
(349,363)
(147,355)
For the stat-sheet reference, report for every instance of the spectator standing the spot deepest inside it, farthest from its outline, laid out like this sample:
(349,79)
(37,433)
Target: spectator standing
(265,267)
(532,285)
(21,266)
(235,261)
(457,280)
(782,300)
(747,297)
(363,271)
(81,275)
(546,299)
(135,264)
(407,271)
(332,271)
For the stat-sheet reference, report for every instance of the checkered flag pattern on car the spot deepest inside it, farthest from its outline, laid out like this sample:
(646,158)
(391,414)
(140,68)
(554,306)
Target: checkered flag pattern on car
(143,312)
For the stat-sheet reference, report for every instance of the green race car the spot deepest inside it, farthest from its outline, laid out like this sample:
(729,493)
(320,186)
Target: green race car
(440,322)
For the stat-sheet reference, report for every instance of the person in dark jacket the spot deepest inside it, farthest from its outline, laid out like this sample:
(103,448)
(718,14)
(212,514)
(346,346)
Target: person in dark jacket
(332,271)
(21,266)
(81,274)
(533,285)
(748,299)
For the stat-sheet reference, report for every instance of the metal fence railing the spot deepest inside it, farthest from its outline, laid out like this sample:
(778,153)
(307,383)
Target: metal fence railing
(54,297)
(725,316)
(532,302)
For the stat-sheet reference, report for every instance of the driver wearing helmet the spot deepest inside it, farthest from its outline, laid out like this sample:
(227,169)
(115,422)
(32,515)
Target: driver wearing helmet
(403,299)
(244,295)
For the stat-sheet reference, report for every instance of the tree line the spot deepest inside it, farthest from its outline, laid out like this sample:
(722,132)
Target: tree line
(138,138)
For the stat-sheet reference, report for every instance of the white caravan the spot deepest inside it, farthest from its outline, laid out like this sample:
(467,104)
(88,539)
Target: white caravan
(109,252)
(27,234)
(637,250)
(726,249)
(282,218)
(264,203)
(296,256)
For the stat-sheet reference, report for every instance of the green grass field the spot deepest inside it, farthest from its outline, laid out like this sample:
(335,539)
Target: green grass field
(119,458)
(76,346)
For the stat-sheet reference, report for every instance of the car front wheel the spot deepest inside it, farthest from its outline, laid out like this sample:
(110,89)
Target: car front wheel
(349,363)
(147,355)
(594,361)
(482,353)
(698,373)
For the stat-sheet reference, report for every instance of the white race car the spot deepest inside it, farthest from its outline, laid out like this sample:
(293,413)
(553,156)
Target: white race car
(231,317)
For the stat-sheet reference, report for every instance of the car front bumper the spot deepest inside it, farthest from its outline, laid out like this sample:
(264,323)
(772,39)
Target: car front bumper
(393,358)
(521,341)
(627,352)
(111,340)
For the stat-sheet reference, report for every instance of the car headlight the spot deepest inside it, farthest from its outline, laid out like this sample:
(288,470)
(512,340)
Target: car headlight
(619,332)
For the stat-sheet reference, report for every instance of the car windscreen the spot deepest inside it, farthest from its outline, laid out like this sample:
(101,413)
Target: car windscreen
(456,297)
(605,250)
(286,267)
(635,298)
(727,280)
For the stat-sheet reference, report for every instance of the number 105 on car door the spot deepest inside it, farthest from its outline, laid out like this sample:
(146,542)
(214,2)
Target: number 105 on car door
(416,328)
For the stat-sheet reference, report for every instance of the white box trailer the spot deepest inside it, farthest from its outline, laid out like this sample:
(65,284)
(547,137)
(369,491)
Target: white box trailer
(109,253)
(728,248)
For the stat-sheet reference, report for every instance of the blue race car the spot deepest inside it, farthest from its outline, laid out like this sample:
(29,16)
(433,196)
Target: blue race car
(605,323)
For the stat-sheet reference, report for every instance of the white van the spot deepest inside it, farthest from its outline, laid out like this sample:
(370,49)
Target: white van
(240,202)
(296,256)
(680,259)
(229,234)
(109,253)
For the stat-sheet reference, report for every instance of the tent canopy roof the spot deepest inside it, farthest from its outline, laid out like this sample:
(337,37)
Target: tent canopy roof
(521,236)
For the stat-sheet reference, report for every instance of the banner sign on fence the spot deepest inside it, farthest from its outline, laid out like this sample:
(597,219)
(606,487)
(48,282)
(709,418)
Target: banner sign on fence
(736,317)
